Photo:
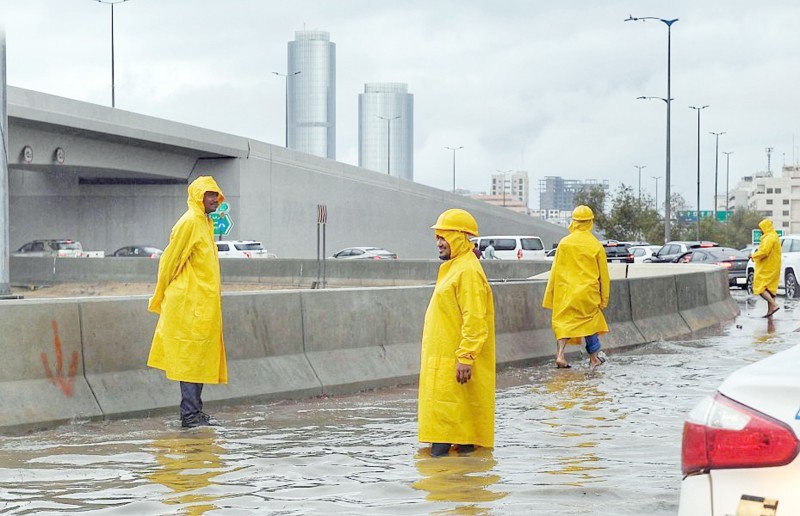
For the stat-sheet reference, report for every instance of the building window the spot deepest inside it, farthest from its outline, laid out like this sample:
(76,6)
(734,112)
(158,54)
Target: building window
(769,190)
(769,201)
(786,223)
(785,213)
(786,201)
(777,190)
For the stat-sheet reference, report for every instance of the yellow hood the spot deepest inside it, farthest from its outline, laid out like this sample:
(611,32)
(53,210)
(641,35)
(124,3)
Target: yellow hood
(581,225)
(198,188)
(766,226)
(458,240)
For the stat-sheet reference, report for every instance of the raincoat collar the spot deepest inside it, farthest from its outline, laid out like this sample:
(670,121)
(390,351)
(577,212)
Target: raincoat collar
(459,242)
(766,226)
(197,189)
(581,225)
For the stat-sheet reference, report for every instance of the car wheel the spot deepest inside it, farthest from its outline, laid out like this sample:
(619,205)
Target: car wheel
(792,288)
(750,282)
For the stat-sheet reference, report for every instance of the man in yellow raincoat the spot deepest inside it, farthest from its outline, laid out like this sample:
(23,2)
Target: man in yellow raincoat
(457,371)
(578,289)
(767,260)
(188,342)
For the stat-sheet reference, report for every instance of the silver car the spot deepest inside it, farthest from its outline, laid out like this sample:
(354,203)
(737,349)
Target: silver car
(364,253)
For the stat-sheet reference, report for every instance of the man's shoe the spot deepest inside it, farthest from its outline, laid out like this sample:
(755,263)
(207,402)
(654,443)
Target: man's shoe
(208,420)
(465,448)
(440,449)
(192,421)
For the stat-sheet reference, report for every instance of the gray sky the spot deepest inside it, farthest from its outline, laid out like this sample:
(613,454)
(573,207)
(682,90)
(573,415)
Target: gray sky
(546,86)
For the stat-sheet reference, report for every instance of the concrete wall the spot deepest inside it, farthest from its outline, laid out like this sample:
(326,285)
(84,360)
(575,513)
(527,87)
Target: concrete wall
(292,273)
(272,191)
(285,344)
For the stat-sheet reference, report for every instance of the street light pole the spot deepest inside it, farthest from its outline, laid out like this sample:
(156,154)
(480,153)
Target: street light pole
(112,3)
(286,104)
(454,149)
(698,109)
(388,141)
(657,178)
(640,167)
(727,182)
(716,169)
(668,100)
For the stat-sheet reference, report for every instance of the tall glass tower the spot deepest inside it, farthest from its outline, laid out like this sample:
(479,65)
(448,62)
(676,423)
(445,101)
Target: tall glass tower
(386,129)
(311,94)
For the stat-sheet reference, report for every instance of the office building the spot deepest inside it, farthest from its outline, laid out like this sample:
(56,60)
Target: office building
(557,193)
(386,129)
(774,197)
(511,186)
(311,94)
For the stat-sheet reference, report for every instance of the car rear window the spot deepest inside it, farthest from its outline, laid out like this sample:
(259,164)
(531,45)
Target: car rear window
(251,246)
(532,244)
(223,247)
(619,250)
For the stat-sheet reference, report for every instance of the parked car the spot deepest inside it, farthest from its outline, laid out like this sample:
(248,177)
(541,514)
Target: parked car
(749,249)
(671,250)
(364,253)
(242,249)
(512,247)
(643,253)
(790,267)
(138,251)
(550,255)
(62,248)
(740,447)
(733,260)
(617,252)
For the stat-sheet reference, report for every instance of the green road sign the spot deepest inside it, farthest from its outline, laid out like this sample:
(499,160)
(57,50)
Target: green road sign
(757,235)
(223,223)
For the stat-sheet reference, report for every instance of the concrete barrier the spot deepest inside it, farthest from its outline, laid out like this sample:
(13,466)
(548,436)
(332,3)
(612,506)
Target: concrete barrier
(285,344)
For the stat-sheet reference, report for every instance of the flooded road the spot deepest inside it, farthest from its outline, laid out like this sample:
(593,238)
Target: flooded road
(568,441)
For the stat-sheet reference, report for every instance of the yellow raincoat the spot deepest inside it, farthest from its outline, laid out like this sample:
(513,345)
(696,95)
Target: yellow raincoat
(767,260)
(579,285)
(459,326)
(188,342)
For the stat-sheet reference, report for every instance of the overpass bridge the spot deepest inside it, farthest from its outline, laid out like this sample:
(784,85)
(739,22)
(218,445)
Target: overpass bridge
(109,178)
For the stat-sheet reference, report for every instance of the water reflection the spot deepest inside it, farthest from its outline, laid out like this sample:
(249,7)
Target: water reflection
(461,479)
(188,463)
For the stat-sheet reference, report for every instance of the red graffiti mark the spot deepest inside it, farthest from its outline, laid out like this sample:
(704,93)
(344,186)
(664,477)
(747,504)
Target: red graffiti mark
(65,384)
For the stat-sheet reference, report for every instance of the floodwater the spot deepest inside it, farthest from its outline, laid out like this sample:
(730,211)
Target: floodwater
(568,441)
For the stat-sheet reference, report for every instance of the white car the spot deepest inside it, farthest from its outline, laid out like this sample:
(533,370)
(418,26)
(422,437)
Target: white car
(364,253)
(550,255)
(643,253)
(242,249)
(513,247)
(740,445)
(789,279)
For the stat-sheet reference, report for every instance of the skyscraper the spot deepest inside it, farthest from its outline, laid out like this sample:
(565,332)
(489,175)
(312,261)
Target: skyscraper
(386,129)
(311,94)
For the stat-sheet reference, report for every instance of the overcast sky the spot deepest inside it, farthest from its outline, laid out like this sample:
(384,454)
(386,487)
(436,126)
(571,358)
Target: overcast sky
(545,86)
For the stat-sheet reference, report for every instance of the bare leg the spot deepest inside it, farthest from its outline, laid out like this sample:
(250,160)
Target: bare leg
(772,306)
(561,361)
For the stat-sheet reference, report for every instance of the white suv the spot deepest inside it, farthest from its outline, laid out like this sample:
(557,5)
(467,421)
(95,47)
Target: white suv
(510,247)
(790,267)
(242,249)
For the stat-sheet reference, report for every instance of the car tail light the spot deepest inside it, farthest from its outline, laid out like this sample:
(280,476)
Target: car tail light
(727,265)
(376,257)
(153,256)
(629,258)
(722,433)
(248,254)
(519,254)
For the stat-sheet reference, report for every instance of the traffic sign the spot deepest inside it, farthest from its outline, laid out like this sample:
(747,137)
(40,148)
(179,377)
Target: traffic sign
(223,223)
(691,215)
(757,235)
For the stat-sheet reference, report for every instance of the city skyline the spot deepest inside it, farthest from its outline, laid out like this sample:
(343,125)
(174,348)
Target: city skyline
(550,89)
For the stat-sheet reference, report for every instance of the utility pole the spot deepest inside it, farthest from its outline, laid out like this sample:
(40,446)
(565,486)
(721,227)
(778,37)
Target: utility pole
(5,284)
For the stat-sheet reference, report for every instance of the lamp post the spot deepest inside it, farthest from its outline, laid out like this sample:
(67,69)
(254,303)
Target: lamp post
(716,169)
(454,149)
(5,285)
(388,141)
(112,3)
(698,109)
(640,167)
(668,100)
(286,104)
(657,178)
(727,182)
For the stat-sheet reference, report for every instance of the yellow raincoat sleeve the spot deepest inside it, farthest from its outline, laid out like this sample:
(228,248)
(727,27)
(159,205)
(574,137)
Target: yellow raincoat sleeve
(174,258)
(471,296)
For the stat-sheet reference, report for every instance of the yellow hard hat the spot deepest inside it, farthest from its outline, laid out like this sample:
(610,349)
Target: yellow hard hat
(456,219)
(582,213)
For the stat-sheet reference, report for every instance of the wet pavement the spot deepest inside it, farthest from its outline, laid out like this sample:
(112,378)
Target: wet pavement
(568,441)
